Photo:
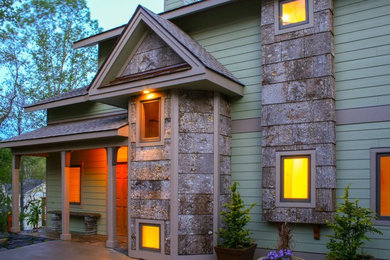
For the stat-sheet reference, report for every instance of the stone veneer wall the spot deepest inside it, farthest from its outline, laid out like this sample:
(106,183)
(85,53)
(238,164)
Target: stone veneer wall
(150,172)
(196,172)
(298,112)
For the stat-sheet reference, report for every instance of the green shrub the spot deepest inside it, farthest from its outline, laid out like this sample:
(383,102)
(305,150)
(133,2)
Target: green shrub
(5,209)
(34,212)
(350,225)
(233,234)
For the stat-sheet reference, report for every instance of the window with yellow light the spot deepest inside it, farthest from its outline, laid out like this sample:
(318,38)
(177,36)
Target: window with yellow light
(383,183)
(150,120)
(75,185)
(150,238)
(295,178)
(293,12)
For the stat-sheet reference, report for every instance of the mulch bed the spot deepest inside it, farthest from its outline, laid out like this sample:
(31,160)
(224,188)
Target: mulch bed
(17,240)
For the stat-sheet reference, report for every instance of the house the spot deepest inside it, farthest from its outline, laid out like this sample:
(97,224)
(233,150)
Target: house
(289,98)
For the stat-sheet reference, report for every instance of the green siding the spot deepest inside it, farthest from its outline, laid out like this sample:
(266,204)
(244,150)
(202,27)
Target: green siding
(93,186)
(362,53)
(80,110)
(172,4)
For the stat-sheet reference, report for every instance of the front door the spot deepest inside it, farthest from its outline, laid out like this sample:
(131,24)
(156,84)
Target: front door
(121,199)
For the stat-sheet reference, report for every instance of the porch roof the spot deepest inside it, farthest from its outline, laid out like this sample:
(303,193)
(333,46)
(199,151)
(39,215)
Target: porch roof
(115,126)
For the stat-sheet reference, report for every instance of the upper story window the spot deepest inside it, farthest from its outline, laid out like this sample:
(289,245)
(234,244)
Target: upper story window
(150,119)
(295,179)
(291,15)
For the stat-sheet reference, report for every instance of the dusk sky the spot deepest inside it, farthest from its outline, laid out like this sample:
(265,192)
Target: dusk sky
(114,13)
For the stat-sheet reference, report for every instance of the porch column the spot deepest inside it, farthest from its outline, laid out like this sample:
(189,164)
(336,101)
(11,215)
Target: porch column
(65,171)
(15,193)
(112,241)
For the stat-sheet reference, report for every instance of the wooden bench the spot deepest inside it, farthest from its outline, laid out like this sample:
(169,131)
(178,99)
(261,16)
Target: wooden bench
(90,220)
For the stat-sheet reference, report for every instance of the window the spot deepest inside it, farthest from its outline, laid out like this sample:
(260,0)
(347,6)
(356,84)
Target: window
(380,184)
(150,238)
(150,120)
(75,185)
(383,185)
(291,15)
(295,174)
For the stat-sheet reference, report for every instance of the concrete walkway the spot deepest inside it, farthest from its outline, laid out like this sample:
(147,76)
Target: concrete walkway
(62,250)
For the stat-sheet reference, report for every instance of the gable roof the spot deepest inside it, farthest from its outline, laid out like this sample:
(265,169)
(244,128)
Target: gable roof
(204,70)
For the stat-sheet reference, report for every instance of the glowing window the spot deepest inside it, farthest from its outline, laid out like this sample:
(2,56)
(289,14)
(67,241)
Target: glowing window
(150,237)
(293,12)
(383,183)
(150,120)
(122,155)
(295,178)
(75,185)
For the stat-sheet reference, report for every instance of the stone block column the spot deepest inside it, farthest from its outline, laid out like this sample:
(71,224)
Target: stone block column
(15,193)
(298,107)
(112,241)
(65,172)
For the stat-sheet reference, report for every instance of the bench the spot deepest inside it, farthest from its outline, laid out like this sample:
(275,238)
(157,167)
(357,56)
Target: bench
(90,220)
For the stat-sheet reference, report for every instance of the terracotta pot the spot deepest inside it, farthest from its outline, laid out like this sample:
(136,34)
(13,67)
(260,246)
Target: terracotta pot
(364,257)
(235,254)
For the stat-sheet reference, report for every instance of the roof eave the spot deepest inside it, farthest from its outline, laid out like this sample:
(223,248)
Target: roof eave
(57,103)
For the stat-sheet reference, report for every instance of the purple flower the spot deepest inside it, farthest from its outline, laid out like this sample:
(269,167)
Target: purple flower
(282,254)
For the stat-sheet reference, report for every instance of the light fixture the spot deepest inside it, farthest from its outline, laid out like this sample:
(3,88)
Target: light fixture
(146,91)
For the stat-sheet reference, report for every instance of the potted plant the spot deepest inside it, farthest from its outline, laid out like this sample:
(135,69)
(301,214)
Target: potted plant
(350,225)
(235,242)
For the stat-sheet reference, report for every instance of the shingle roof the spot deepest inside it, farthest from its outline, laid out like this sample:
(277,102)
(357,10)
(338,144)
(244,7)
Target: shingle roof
(70,94)
(195,48)
(72,128)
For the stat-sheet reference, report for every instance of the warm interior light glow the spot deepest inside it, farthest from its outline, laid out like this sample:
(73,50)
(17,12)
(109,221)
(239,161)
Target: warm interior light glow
(293,12)
(122,155)
(385,185)
(150,236)
(296,178)
(146,91)
(74,185)
(151,119)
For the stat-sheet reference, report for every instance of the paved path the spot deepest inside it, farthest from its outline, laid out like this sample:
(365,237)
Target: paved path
(62,250)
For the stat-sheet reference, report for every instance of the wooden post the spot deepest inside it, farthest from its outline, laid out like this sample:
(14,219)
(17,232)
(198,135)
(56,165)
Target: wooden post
(65,171)
(15,193)
(112,241)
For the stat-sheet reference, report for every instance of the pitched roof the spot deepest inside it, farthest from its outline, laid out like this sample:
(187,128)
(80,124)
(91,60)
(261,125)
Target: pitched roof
(70,94)
(191,45)
(73,128)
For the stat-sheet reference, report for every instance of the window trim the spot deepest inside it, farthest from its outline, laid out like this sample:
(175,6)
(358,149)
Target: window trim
(374,181)
(280,29)
(307,203)
(81,173)
(140,142)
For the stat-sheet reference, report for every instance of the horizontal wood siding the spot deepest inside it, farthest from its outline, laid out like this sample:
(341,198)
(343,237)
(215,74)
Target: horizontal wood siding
(93,186)
(80,111)
(353,168)
(362,53)
(172,4)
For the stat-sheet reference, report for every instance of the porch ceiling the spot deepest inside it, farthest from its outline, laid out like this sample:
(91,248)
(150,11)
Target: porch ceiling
(101,128)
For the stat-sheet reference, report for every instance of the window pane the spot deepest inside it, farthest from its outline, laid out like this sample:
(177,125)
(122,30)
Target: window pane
(122,155)
(296,178)
(151,119)
(385,185)
(293,12)
(74,185)
(150,236)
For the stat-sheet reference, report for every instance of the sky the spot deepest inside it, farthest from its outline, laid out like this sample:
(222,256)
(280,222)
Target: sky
(113,13)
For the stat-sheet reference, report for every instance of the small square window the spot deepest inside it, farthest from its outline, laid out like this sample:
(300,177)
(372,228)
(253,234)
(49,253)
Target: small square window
(292,15)
(295,179)
(75,185)
(150,237)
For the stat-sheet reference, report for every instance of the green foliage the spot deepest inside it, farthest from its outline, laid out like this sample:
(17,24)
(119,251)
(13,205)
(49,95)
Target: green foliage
(234,234)
(350,225)
(5,209)
(5,166)
(34,212)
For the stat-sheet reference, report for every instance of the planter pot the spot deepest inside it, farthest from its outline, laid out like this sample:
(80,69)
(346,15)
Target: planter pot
(9,223)
(235,254)
(364,257)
